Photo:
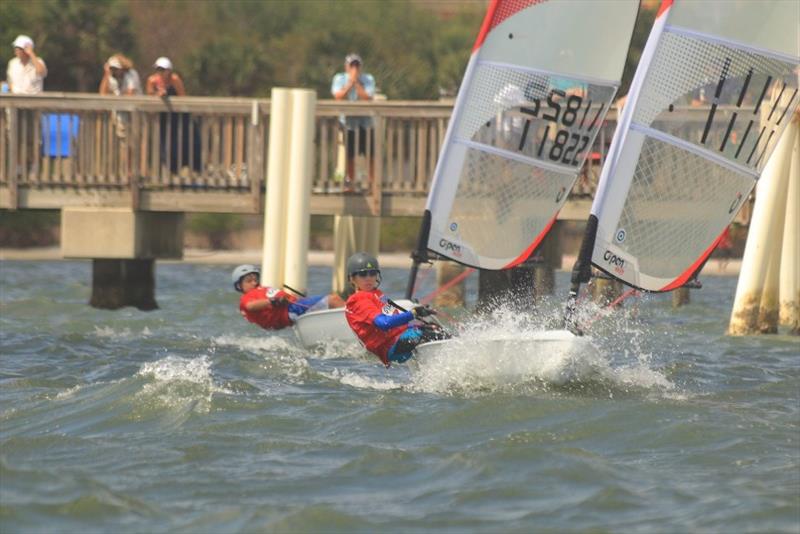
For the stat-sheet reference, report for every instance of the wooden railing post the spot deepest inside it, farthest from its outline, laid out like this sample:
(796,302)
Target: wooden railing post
(133,150)
(376,162)
(13,150)
(255,154)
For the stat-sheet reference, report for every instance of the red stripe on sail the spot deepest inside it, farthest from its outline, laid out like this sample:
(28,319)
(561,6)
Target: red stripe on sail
(665,5)
(524,256)
(498,11)
(678,282)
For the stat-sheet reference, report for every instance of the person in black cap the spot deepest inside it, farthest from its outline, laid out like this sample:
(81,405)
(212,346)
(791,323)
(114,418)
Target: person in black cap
(355,85)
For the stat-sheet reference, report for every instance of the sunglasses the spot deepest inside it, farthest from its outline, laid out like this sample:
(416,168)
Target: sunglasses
(370,272)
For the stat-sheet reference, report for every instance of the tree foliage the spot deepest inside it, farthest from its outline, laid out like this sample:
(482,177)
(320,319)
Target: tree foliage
(415,49)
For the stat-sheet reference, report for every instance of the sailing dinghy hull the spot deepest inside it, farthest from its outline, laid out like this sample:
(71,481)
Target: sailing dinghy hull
(324,326)
(533,353)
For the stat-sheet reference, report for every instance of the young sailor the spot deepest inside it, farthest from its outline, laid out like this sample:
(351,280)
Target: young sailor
(270,308)
(381,327)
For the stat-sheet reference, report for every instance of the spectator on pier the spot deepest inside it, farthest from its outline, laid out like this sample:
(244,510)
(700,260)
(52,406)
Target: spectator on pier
(164,81)
(271,308)
(355,85)
(382,327)
(26,71)
(119,77)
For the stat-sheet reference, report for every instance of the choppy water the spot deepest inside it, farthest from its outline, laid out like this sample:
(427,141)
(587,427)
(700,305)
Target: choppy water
(188,419)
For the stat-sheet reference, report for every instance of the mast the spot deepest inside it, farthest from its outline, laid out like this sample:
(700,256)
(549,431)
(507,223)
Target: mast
(419,254)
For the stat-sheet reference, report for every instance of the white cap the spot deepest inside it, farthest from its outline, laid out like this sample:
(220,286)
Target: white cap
(22,41)
(114,62)
(163,62)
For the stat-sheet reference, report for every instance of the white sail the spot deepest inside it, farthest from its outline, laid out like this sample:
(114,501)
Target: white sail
(670,187)
(540,80)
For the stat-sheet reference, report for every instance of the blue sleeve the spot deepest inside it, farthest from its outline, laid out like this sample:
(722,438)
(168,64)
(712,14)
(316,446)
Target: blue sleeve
(338,82)
(368,81)
(387,322)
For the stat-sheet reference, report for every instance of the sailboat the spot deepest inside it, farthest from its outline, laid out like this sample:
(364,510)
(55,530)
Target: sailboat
(540,80)
(668,190)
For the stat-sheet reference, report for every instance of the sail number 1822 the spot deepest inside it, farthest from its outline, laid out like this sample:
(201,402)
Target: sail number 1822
(566,144)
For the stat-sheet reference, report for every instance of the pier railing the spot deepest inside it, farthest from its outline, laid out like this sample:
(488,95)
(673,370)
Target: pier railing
(209,154)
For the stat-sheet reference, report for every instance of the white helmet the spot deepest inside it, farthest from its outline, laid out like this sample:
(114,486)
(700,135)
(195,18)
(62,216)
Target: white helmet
(242,271)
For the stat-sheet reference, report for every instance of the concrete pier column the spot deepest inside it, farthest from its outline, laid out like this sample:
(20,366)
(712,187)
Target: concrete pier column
(765,226)
(455,295)
(120,283)
(494,288)
(123,245)
(546,260)
(298,194)
(351,235)
(680,297)
(606,290)
(790,253)
(275,204)
(514,287)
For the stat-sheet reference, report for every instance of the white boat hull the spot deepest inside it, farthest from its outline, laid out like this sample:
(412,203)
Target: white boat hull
(324,326)
(553,355)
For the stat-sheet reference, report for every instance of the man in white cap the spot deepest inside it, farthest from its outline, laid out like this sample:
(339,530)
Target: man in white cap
(26,72)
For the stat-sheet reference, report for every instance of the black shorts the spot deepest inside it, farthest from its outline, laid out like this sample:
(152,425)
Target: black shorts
(363,133)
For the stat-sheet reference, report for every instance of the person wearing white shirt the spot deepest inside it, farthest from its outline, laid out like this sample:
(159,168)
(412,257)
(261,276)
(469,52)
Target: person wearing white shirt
(26,71)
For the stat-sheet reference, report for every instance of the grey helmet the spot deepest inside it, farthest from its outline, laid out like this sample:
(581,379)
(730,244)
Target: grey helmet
(361,261)
(242,271)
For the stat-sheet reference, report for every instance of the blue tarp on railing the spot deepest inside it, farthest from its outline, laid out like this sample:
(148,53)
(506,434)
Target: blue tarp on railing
(58,132)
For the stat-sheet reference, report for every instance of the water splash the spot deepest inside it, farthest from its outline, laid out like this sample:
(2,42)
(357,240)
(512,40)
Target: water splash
(179,383)
(360,381)
(512,352)
(107,332)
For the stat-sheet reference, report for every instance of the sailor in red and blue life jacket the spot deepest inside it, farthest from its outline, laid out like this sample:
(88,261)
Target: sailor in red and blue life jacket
(382,328)
(270,308)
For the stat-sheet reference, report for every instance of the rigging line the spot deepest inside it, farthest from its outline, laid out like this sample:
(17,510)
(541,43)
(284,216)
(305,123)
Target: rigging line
(766,147)
(630,292)
(444,287)
(789,105)
(744,138)
(761,98)
(728,133)
(420,278)
(777,101)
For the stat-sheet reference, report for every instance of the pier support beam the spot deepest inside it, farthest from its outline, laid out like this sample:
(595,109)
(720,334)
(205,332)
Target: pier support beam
(123,245)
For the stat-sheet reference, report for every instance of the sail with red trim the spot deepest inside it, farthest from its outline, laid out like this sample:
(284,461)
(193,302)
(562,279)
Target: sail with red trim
(542,75)
(670,186)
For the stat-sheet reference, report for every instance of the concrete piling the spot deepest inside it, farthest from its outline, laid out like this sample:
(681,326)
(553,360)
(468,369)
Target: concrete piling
(765,226)
(789,302)
(455,295)
(120,283)
(272,263)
